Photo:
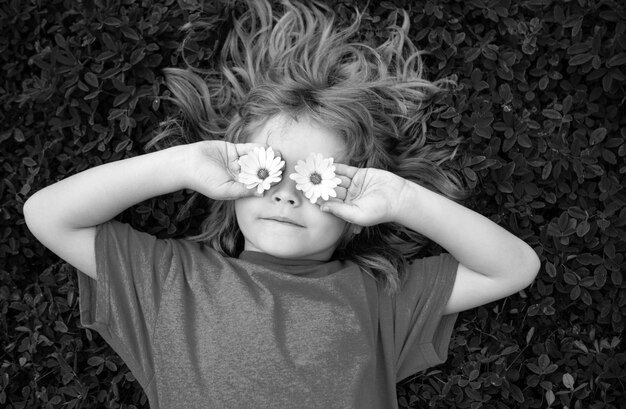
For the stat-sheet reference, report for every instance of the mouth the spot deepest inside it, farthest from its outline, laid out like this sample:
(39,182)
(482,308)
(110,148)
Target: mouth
(283,220)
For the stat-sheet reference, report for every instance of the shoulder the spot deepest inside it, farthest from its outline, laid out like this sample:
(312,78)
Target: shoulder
(114,237)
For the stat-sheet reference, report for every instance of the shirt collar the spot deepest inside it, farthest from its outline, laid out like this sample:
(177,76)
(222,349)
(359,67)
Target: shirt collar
(294,266)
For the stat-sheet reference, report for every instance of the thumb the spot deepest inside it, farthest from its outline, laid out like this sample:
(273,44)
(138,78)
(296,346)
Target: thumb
(339,209)
(230,191)
(238,190)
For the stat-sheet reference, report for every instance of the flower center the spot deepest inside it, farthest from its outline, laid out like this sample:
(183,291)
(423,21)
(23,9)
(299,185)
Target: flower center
(263,174)
(316,178)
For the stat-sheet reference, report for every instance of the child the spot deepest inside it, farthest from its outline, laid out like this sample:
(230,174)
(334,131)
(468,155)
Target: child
(299,291)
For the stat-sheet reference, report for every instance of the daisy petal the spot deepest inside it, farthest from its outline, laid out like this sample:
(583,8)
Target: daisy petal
(260,168)
(315,177)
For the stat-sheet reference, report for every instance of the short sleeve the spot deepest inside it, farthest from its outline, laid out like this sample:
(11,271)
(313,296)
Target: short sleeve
(422,332)
(122,304)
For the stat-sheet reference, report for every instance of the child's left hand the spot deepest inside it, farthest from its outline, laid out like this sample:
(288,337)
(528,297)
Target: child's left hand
(365,196)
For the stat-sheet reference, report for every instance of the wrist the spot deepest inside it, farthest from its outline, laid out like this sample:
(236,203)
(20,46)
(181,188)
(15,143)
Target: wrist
(403,201)
(409,206)
(172,167)
(187,159)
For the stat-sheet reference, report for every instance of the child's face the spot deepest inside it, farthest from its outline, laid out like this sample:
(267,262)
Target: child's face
(284,223)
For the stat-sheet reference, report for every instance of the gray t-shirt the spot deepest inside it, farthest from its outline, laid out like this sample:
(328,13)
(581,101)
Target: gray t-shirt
(200,330)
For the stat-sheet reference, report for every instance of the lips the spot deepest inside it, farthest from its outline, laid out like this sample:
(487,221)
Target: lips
(284,220)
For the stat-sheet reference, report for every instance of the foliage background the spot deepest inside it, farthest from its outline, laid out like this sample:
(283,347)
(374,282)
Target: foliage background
(540,114)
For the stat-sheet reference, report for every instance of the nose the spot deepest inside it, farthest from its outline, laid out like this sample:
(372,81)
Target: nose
(285,192)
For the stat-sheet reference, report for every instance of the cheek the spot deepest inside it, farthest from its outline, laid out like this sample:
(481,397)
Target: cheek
(243,211)
(329,225)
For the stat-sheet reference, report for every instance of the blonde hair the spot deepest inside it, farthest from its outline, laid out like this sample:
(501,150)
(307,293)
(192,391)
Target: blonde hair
(300,64)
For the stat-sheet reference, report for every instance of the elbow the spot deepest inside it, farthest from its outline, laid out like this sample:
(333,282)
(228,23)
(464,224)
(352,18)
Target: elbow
(29,211)
(529,266)
(35,214)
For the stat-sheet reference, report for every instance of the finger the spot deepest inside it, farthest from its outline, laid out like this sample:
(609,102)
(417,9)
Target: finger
(341,192)
(339,209)
(245,148)
(241,149)
(345,181)
(347,171)
(276,152)
(239,190)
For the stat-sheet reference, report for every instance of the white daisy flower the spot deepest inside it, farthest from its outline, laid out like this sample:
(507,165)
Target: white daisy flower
(316,178)
(260,168)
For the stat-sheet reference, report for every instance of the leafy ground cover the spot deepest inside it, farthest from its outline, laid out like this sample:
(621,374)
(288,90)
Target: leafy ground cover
(538,112)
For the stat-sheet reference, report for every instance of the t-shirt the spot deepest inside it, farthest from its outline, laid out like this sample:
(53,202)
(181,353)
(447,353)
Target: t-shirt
(201,330)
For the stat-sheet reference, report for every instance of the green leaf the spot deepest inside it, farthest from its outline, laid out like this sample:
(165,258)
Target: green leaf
(106,55)
(92,95)
(108,41)
(95,361)
(29,162)
(570,278)
(112,21)
(597,136)
(60,326)
(510,350)
(130,33)
(579,48)
(600,276)
(516,393)
(568,381)
(582,228)
(120,99)
(91,79)
(616,60)
(552,114)
(580,59)
(137,55)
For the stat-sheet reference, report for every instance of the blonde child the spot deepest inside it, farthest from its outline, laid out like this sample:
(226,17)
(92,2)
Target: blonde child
(299,291)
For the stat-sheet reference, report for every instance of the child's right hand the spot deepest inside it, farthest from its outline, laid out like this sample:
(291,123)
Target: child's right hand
(214,169)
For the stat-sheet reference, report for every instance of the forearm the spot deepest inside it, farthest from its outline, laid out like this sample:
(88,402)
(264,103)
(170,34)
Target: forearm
(64,216)
(474,240)
(98,194)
